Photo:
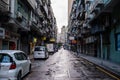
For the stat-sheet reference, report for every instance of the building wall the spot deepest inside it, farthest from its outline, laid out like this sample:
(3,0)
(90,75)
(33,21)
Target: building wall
(114,52)
(0,44)
(70,2)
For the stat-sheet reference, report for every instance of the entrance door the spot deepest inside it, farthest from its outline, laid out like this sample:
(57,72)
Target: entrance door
(5,45)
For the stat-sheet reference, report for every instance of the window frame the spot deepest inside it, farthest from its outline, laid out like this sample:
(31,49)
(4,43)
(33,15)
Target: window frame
(22,56)
(117,41)
(10,58)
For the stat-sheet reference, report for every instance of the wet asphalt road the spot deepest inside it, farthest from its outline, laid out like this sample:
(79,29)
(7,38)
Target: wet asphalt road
(64,66)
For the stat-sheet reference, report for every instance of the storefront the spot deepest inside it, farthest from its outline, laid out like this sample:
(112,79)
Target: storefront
(2,36)
(9,40)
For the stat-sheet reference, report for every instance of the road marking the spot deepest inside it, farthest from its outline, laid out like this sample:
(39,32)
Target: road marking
(108,73)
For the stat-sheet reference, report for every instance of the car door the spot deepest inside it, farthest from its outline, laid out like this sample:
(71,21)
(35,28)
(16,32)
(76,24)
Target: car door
(21,62)
(27,63)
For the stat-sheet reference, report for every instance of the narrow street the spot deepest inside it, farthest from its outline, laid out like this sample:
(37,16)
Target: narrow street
(64,66)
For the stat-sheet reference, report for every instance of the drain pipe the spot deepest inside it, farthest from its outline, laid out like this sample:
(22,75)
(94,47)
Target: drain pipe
(101,46)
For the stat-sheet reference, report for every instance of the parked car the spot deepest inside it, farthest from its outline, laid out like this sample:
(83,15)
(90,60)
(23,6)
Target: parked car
(14,64)
(40,52)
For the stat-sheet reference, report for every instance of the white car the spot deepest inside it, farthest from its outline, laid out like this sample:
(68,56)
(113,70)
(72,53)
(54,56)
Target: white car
(40,52)
(14,64)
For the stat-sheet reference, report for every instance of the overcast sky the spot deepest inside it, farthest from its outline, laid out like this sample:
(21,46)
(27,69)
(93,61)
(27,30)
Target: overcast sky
(60,9)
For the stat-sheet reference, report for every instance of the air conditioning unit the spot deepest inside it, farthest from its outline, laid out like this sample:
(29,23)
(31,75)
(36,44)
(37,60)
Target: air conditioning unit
(34,20)
(19,15)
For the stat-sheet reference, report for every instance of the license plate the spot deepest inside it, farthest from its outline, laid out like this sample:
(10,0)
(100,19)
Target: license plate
(3,67)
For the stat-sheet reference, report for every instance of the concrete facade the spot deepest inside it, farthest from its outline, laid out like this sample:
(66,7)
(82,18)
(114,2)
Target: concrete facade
(95,24)
(24,24)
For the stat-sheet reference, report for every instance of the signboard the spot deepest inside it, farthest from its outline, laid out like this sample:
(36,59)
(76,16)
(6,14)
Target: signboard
(34,40)
(52,40)
(2,33)
(74,42)
(43,38)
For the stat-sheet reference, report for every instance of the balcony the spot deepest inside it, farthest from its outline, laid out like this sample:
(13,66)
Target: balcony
(87,1)
(107,1)
(89,16)
(90,39)
(4,5)
(99,3)
(73,17)
(84,25)
(97,29)
(85,31)
(96,5)
(32,3)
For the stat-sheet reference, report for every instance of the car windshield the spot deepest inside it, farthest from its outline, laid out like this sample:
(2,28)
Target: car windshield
(41,48)
(5,58)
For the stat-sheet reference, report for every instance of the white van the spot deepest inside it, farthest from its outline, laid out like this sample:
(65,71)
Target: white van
(40,52)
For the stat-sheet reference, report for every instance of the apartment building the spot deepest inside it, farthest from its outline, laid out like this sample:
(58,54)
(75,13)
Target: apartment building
(95,23)
(23,24)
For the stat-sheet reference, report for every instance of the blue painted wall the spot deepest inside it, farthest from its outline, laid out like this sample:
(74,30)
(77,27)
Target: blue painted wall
(114,53)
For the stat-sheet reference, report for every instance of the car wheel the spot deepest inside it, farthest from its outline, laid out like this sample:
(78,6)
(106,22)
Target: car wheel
(19,76)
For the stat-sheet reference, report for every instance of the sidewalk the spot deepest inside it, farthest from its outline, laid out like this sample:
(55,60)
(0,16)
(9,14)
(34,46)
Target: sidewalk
(107,65)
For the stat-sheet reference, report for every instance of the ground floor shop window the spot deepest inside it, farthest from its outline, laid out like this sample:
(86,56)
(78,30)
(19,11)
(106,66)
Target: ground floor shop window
(12,45)
(5,45)
(118,42)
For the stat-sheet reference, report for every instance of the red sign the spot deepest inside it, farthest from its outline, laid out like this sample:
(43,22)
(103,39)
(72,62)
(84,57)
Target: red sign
(74,42)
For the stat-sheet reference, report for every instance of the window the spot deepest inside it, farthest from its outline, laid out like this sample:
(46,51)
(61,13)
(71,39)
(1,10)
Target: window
(20,56)
(118,42)
(24,56)
(4,58)
(40,48)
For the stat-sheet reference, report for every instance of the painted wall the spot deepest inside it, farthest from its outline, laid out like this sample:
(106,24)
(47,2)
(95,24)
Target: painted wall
(114,53)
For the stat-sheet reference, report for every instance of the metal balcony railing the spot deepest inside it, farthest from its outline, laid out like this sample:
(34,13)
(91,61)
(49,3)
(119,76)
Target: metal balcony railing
(87,1)
(99,3)
(4,5)
(89,16)
(96,5)
(106,1)
(97,29)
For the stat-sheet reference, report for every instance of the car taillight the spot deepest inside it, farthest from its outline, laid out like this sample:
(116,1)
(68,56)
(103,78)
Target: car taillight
(13,65)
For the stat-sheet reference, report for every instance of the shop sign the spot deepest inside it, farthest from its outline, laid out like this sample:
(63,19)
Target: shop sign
(2,33)
(43,38)
(52,40)
(74,42)
(34,40)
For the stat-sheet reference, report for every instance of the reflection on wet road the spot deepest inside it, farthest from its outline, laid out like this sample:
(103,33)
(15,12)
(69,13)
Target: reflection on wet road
(64,66)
